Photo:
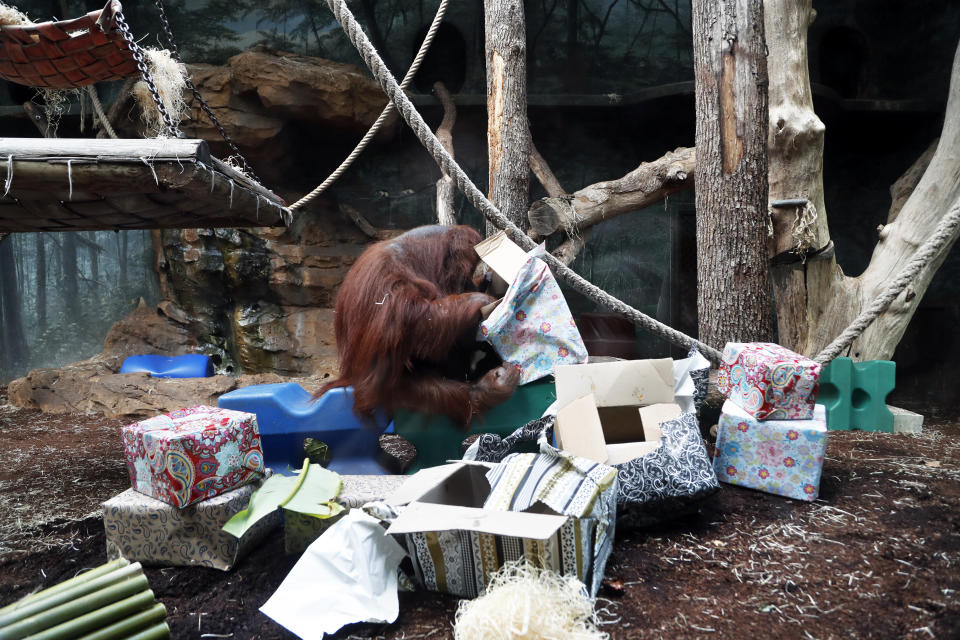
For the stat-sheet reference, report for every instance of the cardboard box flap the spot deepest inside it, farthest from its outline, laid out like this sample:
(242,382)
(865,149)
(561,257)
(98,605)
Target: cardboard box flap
(626,383)
(421,516)
(503,256)
(651,416)
(421,482)
(579,430)
(627,451)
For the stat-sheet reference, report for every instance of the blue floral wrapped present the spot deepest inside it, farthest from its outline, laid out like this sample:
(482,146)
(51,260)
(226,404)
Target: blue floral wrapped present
(532,328)
(784,457)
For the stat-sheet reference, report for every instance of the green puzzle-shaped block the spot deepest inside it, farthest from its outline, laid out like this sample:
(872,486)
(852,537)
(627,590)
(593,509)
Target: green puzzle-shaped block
(438,439)
(855,394)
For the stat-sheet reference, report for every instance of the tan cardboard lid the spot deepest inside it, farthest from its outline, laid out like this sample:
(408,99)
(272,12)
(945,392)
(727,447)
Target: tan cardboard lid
(627,451)
(421,482)
(503,256)
(422,516)
(651,416)
(579,430)
(626,383)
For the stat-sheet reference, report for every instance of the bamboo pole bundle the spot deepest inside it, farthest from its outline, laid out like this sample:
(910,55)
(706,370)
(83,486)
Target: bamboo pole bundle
(111,602)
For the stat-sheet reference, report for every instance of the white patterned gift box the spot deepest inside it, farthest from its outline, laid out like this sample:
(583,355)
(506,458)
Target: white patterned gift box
(143,529)
(783,457)
(463,521)
(768,381)
(192,454)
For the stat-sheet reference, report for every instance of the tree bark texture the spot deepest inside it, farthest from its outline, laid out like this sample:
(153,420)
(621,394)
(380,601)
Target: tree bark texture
(815,300)
(11,319)
(730,75)
(648,184)
(445,187)
(508,133)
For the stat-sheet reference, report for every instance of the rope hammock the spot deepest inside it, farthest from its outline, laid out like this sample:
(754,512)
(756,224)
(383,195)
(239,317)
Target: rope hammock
(932,249)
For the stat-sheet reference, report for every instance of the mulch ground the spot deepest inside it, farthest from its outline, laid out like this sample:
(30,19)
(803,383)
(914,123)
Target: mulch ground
(876,556)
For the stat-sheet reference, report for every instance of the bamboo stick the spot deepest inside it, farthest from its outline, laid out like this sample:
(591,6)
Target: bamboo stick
(127,626)
(73,592)
(157,632)
(66,584)
(51,617)
(100,618)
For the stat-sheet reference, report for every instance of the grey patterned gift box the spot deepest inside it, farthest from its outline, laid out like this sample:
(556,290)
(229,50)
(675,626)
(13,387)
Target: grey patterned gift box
(299,530)
(143,529)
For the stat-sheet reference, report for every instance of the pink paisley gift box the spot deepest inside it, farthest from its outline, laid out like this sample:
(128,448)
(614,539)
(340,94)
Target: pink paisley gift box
(192,454)
(784,457)
(768,381)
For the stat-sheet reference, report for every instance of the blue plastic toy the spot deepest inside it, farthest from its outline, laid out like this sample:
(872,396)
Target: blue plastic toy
(191,365)
(287,415)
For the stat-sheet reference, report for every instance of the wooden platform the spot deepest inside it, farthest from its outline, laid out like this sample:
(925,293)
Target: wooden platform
(90,184)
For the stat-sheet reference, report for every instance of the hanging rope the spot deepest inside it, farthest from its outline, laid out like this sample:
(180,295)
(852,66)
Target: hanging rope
(387,111)
(98,108)
(932,249)
(477,199)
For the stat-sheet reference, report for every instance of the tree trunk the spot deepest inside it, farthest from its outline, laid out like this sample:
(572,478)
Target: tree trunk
(445,187)
(68,273)
(41,284)
(508,134)
(815,300)
(730,74)
(14,341)
(94,251)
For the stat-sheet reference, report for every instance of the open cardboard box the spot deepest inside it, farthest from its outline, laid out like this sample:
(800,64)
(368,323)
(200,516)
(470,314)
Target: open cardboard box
(611,412)
(456,545)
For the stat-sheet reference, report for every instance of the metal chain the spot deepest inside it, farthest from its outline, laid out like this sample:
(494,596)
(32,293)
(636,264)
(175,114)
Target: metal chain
(137,53)
(168,32)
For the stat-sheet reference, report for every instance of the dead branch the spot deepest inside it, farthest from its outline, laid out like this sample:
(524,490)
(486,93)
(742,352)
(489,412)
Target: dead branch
(445,186)
(542,170)
(567,252)
(649,183)
(901,189)
(364,225)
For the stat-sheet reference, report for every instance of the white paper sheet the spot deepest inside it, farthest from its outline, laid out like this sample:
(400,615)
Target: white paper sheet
(347,575)
(683,389)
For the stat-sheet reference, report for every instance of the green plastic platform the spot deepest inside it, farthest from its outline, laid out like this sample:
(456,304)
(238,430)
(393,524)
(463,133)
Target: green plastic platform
(438,439)
(855,394)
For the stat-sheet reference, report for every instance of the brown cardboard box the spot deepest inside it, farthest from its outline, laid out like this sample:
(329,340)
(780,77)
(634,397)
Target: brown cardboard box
(611,412)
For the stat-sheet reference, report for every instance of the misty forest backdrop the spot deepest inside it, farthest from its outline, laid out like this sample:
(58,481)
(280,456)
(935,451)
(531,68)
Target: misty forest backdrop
(610,84)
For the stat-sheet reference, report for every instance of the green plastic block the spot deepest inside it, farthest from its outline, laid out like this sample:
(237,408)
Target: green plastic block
(855,394)
(438,439)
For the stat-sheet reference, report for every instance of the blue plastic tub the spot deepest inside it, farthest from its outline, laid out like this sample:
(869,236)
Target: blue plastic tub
(287,415)
(191,365)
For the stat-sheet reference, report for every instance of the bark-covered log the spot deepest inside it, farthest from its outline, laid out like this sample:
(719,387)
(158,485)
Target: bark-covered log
(730,74)
(544,174)
(902,189)
(648,184)
(508,133)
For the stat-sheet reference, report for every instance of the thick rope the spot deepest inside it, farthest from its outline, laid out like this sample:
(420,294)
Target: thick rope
(932,249)
(104,120)
(386,113)
(477,199)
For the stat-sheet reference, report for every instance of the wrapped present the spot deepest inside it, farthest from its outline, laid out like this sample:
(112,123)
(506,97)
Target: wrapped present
(300,529)
(463,521)
(784,457)
(143,529)
(768,381)
(532,327)
(192,454)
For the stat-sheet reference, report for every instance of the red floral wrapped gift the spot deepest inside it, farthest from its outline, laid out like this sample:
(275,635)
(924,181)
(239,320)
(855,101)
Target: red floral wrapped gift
(192,454)
(768,381)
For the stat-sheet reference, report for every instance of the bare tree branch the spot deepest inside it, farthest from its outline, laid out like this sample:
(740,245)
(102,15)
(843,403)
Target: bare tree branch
(649,183)
(445,186)
(542,170)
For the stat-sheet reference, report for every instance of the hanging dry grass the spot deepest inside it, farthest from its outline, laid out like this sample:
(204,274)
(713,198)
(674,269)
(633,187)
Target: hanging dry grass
(523,602)
(11,16)
(171,82)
